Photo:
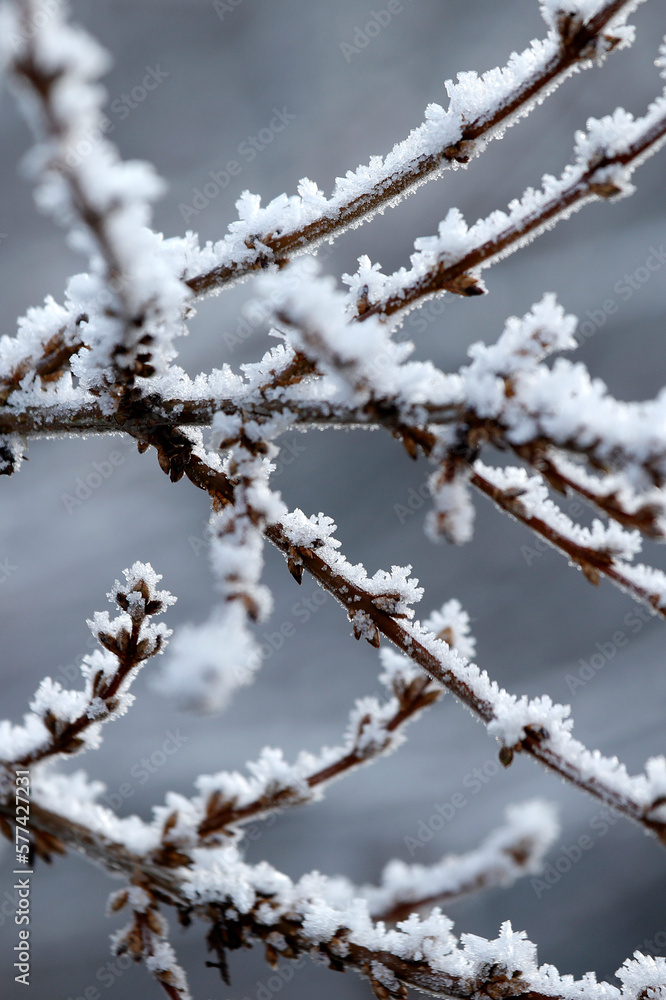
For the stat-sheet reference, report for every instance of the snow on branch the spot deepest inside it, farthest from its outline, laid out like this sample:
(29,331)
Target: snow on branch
(605,158)
(47,338)
(132,298)
(308,916)
(507,388)
(370,372)
(563,405)
(511,851)
(327,919)
(64,722)
(609,493)
(381,605)
(601,549)
(45,349)
(145,938)
(227,800)
(336,365)
(209,661)
(506,396)
(480,109)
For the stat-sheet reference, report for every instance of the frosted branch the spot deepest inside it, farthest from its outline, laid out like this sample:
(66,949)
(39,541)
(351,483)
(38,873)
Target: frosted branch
(228,800)
(101,363)
(145,939)
(480,109)
(246,904)
(601,550)
(446,139)
(381,605)
(605,159)
(133,300)
(510,852)
(64,722)
(209,662)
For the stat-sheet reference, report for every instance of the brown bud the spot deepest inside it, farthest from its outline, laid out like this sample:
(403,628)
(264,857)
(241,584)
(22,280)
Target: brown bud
(109,642)
(141,587)
(144,649)
(122,640)
(118,900)
(170,822)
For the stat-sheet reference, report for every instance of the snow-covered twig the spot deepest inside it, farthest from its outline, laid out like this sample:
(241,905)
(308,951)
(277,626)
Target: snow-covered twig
(145,939)
(64,722)
(331,370)
(132,299)
(507,396)
(229,800)
(511,851)
(599,550)
(381,605)
(606,156)
(480,109)
(248,904)
(644,510)
(211,660)
(447,138)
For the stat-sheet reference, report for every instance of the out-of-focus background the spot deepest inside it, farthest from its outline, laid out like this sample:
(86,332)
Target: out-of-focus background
(225,68)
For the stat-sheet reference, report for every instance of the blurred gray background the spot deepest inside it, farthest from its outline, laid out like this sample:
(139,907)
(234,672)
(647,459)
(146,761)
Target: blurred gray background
(534,617)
